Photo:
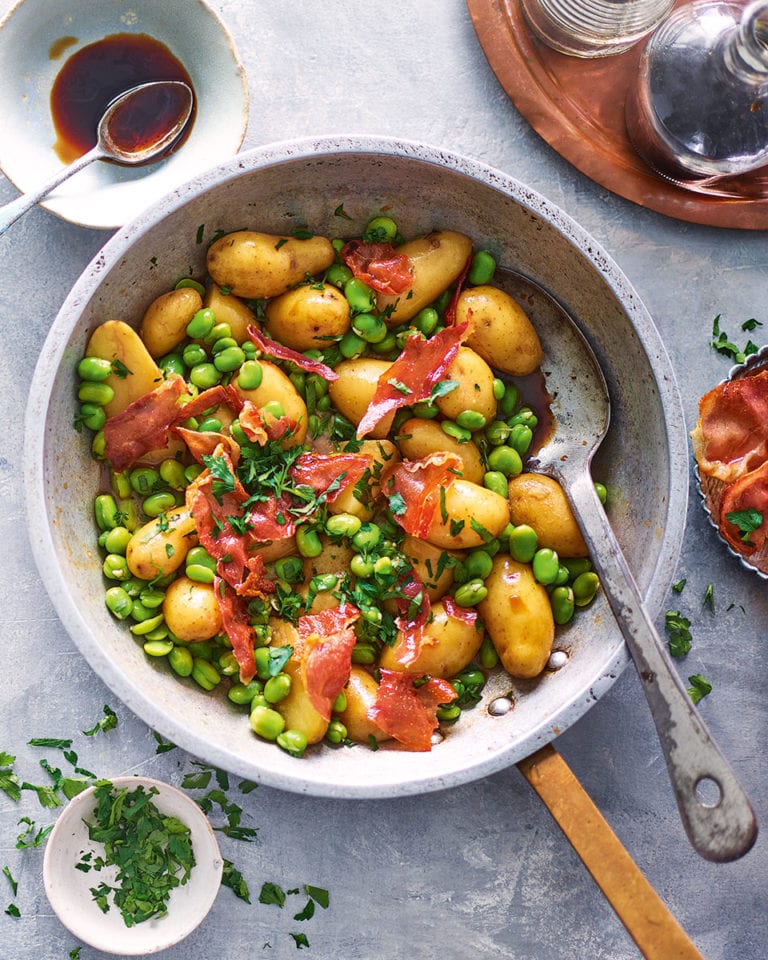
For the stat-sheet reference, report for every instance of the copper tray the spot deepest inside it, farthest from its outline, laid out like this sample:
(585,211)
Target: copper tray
(577,106)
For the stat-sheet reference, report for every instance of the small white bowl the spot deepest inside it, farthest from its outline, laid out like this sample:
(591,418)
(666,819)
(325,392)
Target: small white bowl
(68,889)
(105,195)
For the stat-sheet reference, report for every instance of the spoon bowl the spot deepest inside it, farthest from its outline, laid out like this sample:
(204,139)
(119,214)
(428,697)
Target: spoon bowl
(720,829)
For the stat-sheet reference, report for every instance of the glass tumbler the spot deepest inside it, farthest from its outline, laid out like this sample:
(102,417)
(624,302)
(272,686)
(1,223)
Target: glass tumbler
(594,28)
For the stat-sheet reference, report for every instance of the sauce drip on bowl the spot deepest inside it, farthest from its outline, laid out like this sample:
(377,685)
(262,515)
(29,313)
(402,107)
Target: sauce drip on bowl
(93,76)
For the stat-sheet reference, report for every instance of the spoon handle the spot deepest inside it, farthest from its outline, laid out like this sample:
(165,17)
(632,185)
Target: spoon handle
(722,828)
(11,212)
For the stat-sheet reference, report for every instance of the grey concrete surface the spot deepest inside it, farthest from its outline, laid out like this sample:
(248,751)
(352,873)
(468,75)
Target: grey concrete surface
(480,871)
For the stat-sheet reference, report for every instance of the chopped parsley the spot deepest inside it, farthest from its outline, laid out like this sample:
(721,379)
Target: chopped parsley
(678,632)
(107,722)
(720,342)
(699,688)
(747,521)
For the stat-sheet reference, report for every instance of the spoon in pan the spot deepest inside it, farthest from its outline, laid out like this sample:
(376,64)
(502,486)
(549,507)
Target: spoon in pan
(137,127)
(720,829)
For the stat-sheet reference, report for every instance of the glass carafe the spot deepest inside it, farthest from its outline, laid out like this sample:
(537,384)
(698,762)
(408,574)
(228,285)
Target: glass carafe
(698,110)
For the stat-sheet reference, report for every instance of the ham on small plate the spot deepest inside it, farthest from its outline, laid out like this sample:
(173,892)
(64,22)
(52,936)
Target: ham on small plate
(730,444)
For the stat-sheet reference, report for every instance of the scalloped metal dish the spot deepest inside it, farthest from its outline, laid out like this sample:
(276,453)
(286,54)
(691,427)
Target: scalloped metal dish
(711,489)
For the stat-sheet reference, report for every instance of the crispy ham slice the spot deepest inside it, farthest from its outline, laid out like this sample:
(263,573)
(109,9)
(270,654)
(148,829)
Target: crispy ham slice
(748,493)
(379,265)
(274,349)
(407,712)
(324,651)
(414,490)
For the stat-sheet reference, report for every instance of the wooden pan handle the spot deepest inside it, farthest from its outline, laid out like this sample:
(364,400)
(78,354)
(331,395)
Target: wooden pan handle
(647,919)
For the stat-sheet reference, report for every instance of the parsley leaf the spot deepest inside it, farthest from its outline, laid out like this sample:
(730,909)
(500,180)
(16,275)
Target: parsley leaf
(223,478)
(720,342)
(677,627)
(301,940)
(13,911)
(699,688)
(232,878)
(747,521)
(272,893)
(319,894)
(107,722)
(13,883)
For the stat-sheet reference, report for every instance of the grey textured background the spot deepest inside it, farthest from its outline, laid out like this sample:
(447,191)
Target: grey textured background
(480,870)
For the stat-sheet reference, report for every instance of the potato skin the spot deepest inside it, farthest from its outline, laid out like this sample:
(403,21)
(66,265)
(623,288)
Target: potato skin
(276,385)
(425,558)
(539,501)
(161,545)
(518,617)
(464,502)
(437,260)
(448,645)
(115,340)
(419,438)
(361,692)
(296,708)
(306,317)
(475,389)
(165,320)
(353,391)
(257,265)
(230,309)
(499,330)
(191,611)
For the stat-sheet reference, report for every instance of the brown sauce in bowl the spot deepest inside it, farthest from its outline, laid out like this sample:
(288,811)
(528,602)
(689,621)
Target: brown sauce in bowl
(93,76)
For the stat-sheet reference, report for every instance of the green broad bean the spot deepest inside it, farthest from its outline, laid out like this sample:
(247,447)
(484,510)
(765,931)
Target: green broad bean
(172,363)
(371,614)
(563,605)
(263,662)
(250,376)
(140,612)
(383,567)
(308,542)
(451,429)
(157,503)
(426,321)
(249,349)
(144,480)
(119,602)
(237,433)
(361,566)
(525,416)
(343,525)
(116,540)
(193,355)
(367,537)
(425,410)
(499,388)
(323,582)
(585,587)
(448,713)
(159,633)
(181,661)
(471,420)
(576,566)
(228,665)
(172,474)
(497,432)
(505,460)
(204,673)
(115,567)
(91,415)
(478,565)
(99,394)
(209,425)
(563,576)
(193,471)
(290,569)
(219,332)
(134,587)
(243,693)
(229,360)
(259,701)
(546,565)
(266,722)
(98,445)
(488,656)
(336,732)
(105,509)
(364,654)
(380,230)
(277,688)
(351,345)
(481,269)
(158,648)
(205,375)
(94,369)
(510,400)
(338,274)
(121,483)
(359,296)
(520,438)
(496,481)
(151,598)
(274,409)
(145,626)
(370,327)
(294,742)
(222,344)
(602,492)
(523,543)
(471,593)
(387,345)
(201,324)
(340,703)
(441,303)
(128,513)
(192,284)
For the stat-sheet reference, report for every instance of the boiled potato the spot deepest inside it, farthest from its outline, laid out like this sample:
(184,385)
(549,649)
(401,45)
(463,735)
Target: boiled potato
(469,510)
(361,692)
(297,709)
(308,317)
(277,549)
(191,611)
(448,645)
(258,265)
(231,310)
(114,340)
(437,261)
(384,455)
(429,564)
(165,320)
(539,501)
(353,391)
(475,389)
(419,438)
(499,330)
(161,546)
(276,385)
(518,617)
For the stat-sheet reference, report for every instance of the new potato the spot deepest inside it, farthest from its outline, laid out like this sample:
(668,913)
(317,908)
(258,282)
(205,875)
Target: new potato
(161,545)
(518,617)
(191,611)
(472,514)
(231,310)
(258,265)
(499,330)
(165,320)
(539,501)
(475,387)
(353,391)
(429,564)
(114,340)
(448,645)
(276,386)
(308,317)
(297,709)
(361,692)
(384,455)
(419,438)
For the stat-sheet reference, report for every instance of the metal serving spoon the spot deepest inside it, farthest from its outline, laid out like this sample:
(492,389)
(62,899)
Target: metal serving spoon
(172,99)
(720,829)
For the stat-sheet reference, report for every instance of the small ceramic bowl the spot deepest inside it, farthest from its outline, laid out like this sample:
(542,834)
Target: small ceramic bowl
(69,889)
(36,39)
